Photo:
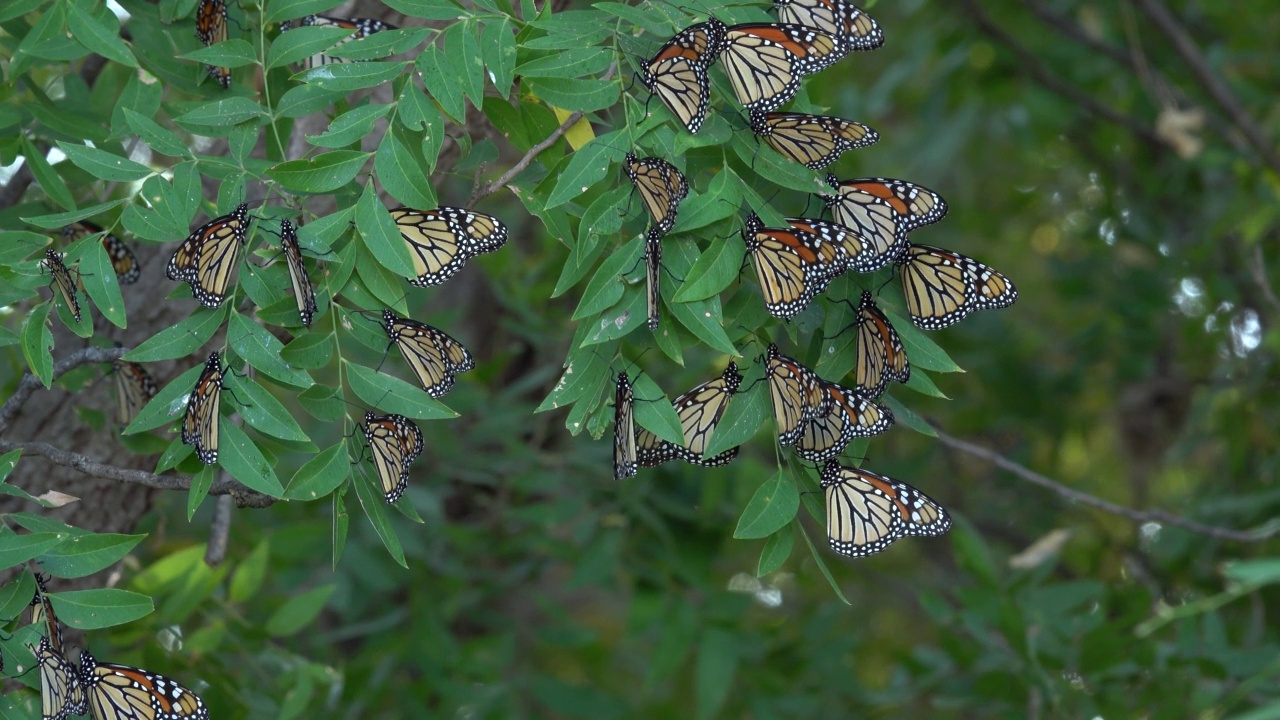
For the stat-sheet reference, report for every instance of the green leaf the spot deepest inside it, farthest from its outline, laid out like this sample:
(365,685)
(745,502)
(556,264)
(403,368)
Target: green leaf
(391,394)
(98,37)
(101,284)
(306,99)
(238,455)
(380,235)
(460,38)
(607,285)
(772,507)
(160,138)
(585,369)
(298,611)
(498,47)
(442,84)
(311,350)
(37,346)
(346,77)
(713,271)
(249,574)
(16,549)
(923,384)
(822,566)
(429,9)
(324,173)
(350,126)
(263,411)
(903,415)
(705,319)
(584,94)
(776,551)
(382,44)
(168,405)
(57,221)
(713,673)
(374,504)
(278,10)
(223,113)
(321,475)
(303,42)
(401,173)
(262,350)
(746,413)
(102,608)
(655,413)
(571,63)
(200,483)
(87,554)
(8,462)
(16,594)
(180,340)
(48,178)
(922,351)
(587,167)
(231,53)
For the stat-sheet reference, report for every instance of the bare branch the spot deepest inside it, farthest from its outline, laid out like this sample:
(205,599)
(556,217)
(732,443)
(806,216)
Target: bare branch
(1263,532)
(219,532)
(30,383)
(1214,85)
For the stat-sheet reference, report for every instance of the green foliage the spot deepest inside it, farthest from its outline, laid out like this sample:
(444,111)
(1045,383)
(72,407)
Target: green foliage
(516,578)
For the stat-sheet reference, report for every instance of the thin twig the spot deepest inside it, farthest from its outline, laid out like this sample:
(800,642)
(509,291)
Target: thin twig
(524,162)
(1260,277)
(1217,89)
(30,383)
(1265,531)
(219,532)
(1028,61)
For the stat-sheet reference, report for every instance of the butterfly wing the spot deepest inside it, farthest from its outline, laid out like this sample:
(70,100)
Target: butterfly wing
(200,423)
(866,512)
(441,241)
(812,140)
(700,411)
(849,415)
(394,443)
(792,266)
(62,280)
(942,287)
(661,188)
(134,388)
(61,692)
(211,29)
(677,74)
(796,393)
(624,429)
(209,256)
(435,358)
(303,291)
(765,62)
(855,29)
(120,692)
(653,266)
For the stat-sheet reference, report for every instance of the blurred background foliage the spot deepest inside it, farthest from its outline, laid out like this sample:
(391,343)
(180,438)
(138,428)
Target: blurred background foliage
(1117,160)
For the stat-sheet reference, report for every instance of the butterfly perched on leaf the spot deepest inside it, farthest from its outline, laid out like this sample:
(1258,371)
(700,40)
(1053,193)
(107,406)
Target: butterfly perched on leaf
(121,692)
(678,72)
(661,187)
(123,261)
(882,211)
(855,29)
(879,356)
(134,388)
(815,141)
(796,393)
(211,29)
(441,241)
(624,429)
(848,415)
(435,358)
(209,256)
(867,512)
(360,28)
(699,411)
(200,423)
(303,291)
(765,62)
(793,266)
(62,281)
(61,692)
(395,442)
(942,287)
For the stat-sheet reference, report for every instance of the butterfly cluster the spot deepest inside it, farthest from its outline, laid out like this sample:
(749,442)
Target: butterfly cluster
(105,691)
(868,229)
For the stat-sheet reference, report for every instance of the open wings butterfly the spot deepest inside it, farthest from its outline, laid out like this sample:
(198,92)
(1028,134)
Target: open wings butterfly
(209,256)
(883,211)
(120,692)
(441,241)
(793,266)
(812,140)
(765,63)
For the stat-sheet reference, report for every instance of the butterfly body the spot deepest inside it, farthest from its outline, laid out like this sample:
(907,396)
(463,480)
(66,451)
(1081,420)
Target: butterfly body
(62,280)
(303,291)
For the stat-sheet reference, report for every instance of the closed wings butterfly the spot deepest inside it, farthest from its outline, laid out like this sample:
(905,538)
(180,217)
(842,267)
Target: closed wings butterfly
(123,261)
(62,693)
(765,63)
(134,389)
(866,512)
(879,355)
(435,358)
(62,281)
(209,256)
(661,188)
(359,27)
(441,241)
(942,287)
(796,393)
(853,254)
(677,73)
(652,268)
(883,211)
(200,423)
(394,442)
(303,291)
(849,415)
(793,266)
(855,29)
(815,141)
(624,429)
(211,29)
(700,411)
(121,692)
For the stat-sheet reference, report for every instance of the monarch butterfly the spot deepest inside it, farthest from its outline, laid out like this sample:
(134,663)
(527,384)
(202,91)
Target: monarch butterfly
(793,266)
(879,356)
(883,211)
(850,415)
(815,141)
(62,692)
(653,263)
(661,187)
(854,28)
(63,281)
(866,512)
(941,287)
(211,29)
(360,27)
(797,395)
(700,411)
(766,62)
(206,259)
(624,429)
(395,443)
(42,613)
(134,388)
(435,358)
(123,261)
(677,74)
(303,291)
(200,424)
(120,692)
(853,253)
(443,240)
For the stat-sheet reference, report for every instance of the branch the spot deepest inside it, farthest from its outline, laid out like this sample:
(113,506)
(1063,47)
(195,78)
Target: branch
(1028,61)
(1263,532)
(1259,268)
(1217,89)
(493,187)
(30,383)
(219,532)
